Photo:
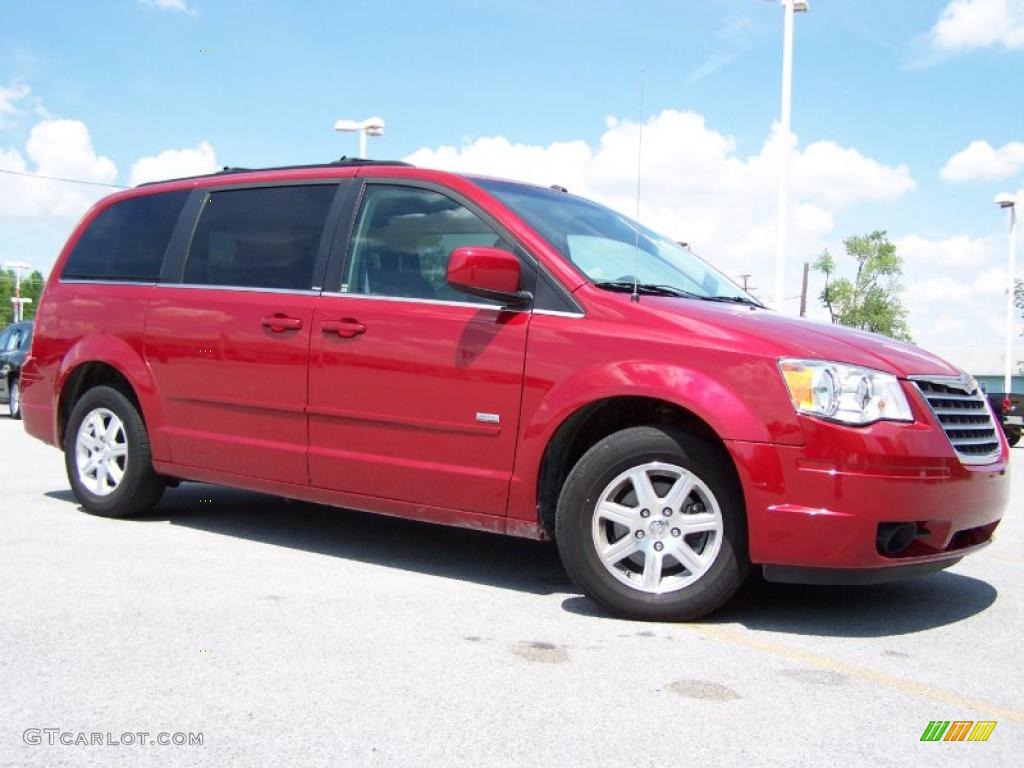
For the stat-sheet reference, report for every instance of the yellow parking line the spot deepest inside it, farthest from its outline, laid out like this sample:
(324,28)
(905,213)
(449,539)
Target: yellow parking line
(834,665)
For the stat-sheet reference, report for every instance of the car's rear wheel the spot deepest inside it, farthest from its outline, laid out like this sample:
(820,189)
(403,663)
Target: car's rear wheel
(651,525)
(107,456)
(1013,437)
(14,399)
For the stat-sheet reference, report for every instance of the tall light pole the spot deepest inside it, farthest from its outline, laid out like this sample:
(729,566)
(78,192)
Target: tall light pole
(17,267)
(1009,201)
(371,126)
(789,8)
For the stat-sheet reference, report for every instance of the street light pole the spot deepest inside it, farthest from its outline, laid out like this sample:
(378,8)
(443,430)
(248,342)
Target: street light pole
(789,8)
(17,267)
(1009,201)
(372,126)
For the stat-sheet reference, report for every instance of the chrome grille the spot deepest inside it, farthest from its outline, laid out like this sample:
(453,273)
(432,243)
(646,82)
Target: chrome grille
(962,409)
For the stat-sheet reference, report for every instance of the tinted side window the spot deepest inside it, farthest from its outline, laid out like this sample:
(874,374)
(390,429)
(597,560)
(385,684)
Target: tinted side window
(403,239)
(127,241)
(260,238)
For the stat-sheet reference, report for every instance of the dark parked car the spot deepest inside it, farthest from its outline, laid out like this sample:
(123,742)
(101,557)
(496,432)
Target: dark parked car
(1010,411)
(14,345)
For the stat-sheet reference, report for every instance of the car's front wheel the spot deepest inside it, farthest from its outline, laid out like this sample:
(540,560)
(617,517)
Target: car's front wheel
(651,525)
(107,456)
(14,399)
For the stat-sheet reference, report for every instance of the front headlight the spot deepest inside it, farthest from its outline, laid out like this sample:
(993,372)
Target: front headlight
(846,393)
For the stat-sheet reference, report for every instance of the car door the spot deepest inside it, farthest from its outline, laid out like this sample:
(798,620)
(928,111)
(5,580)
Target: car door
(414,388)
(228,341)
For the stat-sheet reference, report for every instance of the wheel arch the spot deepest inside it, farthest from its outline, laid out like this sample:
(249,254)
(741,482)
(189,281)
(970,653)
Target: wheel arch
(596,420)
(110,361)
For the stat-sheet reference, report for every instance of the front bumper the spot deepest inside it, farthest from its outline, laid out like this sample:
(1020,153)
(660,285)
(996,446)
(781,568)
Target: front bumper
(819,506)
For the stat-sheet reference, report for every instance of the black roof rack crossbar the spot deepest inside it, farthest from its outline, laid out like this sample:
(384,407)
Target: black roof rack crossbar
(340,162)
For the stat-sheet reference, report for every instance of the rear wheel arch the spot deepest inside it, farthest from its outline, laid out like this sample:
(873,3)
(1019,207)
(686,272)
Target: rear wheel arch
(88,375)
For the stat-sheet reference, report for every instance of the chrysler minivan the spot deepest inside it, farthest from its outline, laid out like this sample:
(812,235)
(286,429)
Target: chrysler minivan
(505,357)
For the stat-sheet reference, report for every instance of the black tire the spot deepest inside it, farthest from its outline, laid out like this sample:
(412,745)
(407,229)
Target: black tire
(1013,437)
(14,399)
(140,487)
(599,467)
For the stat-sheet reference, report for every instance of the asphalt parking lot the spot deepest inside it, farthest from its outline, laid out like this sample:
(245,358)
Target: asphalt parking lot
(288,633)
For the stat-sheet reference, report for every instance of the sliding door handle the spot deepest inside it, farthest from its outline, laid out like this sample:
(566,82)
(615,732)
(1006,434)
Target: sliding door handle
(281,323)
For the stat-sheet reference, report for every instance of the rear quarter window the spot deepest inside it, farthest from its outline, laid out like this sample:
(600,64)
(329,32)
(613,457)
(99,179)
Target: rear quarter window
(127,240)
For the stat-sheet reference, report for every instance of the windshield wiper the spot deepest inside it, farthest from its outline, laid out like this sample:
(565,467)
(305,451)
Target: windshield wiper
(734,300)
(650,289)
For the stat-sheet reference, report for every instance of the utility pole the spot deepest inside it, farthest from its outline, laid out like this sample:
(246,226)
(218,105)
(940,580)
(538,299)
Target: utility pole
(744,278)
(803,291)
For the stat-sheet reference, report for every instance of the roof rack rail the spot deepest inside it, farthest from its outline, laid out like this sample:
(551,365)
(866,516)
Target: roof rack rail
(340,162)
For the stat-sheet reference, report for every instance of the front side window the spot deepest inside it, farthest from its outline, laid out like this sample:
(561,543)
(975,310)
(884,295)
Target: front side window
(11,340)
(609,248)
(127,240)
(266,237)
(402,242)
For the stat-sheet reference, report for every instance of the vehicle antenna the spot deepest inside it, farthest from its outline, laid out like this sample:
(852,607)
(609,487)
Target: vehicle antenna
(636,229)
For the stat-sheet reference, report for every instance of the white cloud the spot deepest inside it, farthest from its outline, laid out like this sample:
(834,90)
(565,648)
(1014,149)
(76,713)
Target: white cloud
(61,148)
(9,98)
(174,164)
(980,161)
(955,289)
(178,6)
(967,24)
(695,185)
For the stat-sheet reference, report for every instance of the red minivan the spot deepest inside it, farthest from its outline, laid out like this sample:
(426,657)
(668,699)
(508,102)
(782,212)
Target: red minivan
(505,357)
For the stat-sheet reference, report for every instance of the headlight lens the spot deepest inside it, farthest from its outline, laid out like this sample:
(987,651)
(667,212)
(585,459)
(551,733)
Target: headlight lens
(846,393)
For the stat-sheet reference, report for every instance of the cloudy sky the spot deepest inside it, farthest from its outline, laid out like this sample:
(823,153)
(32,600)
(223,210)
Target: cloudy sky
(909,117)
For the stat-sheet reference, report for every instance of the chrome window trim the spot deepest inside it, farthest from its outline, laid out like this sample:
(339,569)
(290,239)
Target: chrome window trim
(411,300)
(105,281)
(559,313)
(242,288)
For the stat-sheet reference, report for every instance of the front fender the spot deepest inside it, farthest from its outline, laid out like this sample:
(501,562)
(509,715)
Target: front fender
(729,400)
(129,362)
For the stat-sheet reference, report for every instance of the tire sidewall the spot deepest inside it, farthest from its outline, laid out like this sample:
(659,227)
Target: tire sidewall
(583,489)
(14,399)
(135,438)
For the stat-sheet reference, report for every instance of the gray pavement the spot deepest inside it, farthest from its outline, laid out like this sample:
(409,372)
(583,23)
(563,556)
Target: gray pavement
(292,634)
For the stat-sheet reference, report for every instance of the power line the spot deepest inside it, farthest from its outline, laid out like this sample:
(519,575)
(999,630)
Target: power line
(58,178)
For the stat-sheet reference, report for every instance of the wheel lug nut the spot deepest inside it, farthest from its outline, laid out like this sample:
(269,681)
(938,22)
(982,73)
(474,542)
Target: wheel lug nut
(659,546)
(639,534)
(666,512)
(676,531)
(645,513)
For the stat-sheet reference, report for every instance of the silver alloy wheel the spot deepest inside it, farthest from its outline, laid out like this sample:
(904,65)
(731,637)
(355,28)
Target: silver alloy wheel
(101,452)
(657,527)
(14,399)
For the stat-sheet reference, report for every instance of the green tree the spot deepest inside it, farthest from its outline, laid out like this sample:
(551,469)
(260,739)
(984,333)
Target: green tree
(31,288)
(871,300)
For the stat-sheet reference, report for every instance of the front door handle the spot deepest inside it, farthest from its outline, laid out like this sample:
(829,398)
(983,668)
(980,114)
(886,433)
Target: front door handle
(280,323)
(346,328)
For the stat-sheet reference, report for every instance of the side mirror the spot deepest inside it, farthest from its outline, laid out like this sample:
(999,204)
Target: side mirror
(487,272)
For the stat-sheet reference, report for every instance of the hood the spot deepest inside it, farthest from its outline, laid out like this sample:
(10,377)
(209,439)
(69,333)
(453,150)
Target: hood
(799,337)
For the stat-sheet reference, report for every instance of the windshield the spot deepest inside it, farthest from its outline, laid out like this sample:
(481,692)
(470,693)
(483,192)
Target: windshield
(610,248)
